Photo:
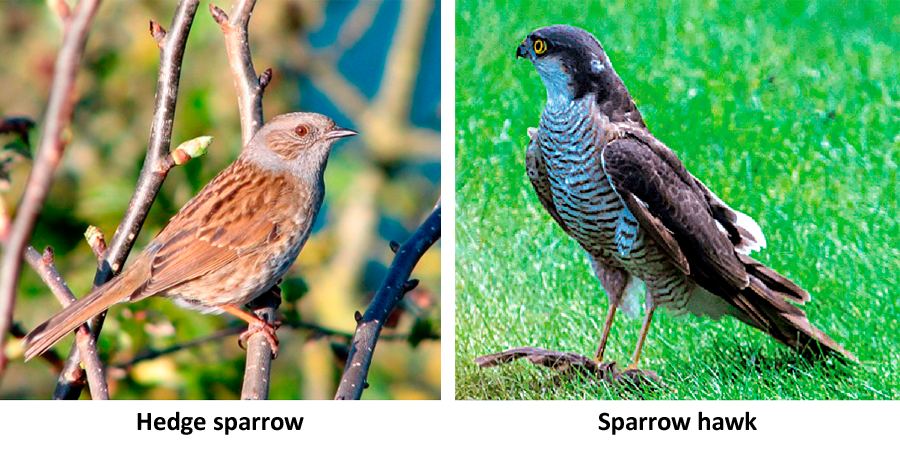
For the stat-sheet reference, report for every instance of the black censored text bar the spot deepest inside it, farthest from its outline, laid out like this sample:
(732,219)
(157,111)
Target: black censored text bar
(675,422)
(220,423)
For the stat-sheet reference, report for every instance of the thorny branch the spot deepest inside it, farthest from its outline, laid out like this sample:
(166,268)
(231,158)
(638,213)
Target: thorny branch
(249,88)
(396,283)
(54,138)
(153,173)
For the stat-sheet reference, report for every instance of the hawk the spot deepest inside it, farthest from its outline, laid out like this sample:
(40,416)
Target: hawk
(637,211)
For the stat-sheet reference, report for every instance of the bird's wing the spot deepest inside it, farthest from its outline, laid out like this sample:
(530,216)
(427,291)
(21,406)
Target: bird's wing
(669,206)
(215,228)
(537,173)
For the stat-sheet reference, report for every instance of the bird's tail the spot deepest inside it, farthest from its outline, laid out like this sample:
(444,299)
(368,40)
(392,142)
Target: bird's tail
(768,304)
(47,334)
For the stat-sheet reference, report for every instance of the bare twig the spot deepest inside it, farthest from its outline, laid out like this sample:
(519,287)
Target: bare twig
(152,175)
(44,266)
(154,170)
(249,88)
(316,331)
(153,354)
(246,81)
(396,283)
(258,368)
(57,118)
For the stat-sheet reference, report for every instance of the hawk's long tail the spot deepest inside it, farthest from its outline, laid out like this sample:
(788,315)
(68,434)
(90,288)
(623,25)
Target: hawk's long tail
(767,304)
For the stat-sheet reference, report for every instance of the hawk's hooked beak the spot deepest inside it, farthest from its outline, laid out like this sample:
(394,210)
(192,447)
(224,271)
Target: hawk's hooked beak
(338,132)
(522,50)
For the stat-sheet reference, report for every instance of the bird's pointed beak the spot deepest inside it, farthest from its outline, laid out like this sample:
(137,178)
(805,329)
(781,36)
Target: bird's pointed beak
(522,50)
(338,132)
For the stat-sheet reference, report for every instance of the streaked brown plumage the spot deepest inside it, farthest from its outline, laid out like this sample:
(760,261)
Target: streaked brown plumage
(234,240)
(636,210)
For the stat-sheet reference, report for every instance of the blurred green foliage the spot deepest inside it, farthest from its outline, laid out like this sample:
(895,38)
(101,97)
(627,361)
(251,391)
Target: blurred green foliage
(787,110)
(378,189)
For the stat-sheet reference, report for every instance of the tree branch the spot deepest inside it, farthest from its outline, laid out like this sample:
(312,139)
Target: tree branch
(153,354)
(258,368)
(153,173)
(87,347)
(246,81)
(54,138)
(316,331)
(249,87)
(396,283)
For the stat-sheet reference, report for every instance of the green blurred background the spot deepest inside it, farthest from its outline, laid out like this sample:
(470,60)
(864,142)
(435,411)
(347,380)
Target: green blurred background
(789,111)
(372,66)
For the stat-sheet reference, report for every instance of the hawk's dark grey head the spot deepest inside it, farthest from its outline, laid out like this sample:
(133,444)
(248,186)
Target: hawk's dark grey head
(572,64)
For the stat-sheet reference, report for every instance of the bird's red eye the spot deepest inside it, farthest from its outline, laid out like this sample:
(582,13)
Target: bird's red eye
(301,130)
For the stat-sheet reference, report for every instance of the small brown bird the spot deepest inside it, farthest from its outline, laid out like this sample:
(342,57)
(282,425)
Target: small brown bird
(233,241)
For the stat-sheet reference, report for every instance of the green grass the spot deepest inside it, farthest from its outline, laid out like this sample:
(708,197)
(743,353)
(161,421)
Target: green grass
(790,113)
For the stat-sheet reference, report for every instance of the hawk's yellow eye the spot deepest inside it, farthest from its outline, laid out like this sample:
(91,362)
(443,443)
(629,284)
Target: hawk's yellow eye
(540,46)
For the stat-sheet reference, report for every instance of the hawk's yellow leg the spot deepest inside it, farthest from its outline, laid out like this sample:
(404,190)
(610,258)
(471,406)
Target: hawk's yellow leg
(605,335)
(644,329)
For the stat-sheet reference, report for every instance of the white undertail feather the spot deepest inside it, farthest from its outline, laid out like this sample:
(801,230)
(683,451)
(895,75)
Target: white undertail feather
(752,238)
(635,293)
(755,241)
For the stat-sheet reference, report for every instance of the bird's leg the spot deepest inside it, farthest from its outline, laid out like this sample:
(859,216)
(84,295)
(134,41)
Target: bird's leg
(644,329)
(256,325)
(615,282)
(605,335)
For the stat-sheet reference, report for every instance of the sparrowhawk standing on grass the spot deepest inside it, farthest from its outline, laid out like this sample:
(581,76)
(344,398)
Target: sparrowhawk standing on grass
(636,210)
